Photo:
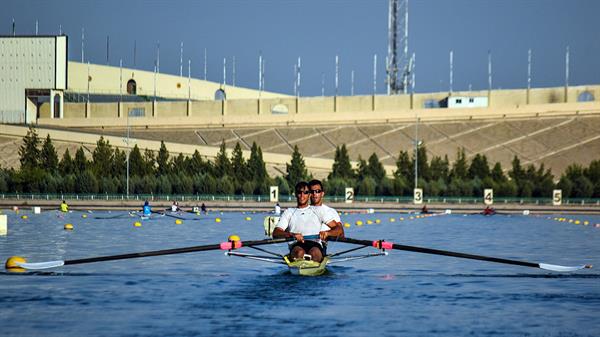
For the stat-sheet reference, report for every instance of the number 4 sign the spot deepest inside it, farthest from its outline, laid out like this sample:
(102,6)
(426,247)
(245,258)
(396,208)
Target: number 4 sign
(488,196)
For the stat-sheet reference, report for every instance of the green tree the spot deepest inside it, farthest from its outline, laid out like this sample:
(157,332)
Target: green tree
(341,167)
(439,168)
(150,165)
(80,163)
(162,160)
(497,174)
(422,165)
(197,165)
(102,158)
(66,165)
(48,156)
(296,169)
(222,162)
(178,164)
(118,166)
(238,167)
(257,169)
(459,169)
(137,165)
(479,167)
(375,168)
(29,152)
(516,173)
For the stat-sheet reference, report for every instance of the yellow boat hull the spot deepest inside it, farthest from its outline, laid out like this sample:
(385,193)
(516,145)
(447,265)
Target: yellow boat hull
(307,267)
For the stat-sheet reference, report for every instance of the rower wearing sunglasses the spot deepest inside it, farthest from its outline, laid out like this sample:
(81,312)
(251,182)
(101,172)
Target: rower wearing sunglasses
(309,226)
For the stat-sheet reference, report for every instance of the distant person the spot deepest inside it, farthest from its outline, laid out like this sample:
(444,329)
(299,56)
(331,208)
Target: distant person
(175,207)
(203,208)
(64,207)
(277,209)
(424,210)
(488,211)
(147,210)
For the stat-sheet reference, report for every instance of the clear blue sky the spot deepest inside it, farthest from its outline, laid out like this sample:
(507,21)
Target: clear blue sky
(317,30)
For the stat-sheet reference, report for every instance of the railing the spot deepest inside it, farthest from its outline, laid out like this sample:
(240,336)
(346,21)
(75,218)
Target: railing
(288,198)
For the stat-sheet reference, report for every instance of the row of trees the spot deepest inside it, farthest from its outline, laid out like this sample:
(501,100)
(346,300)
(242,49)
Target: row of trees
(42,171)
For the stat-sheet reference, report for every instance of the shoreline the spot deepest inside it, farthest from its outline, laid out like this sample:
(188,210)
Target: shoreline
(356,207)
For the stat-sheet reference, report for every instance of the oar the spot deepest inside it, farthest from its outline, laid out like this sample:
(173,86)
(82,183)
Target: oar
(389,245)
(170,215)
(228,245)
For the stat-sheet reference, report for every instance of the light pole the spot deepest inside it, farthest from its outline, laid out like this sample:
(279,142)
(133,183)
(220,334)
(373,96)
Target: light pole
(416,151)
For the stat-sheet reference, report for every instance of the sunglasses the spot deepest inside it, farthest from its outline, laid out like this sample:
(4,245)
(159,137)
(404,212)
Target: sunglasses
(316,191)
(302,192)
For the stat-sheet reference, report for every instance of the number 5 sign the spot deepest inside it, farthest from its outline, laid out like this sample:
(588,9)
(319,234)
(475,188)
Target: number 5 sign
(418,196)
(557,197)
(349,195)
(274,194)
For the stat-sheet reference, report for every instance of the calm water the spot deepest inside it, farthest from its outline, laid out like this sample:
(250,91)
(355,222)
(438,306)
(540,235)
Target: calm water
(209,294)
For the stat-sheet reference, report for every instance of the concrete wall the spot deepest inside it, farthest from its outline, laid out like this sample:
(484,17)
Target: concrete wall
(108,80)
(325,110)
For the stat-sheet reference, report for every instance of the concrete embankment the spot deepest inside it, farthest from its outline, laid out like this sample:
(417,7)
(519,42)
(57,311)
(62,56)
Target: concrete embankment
(357,207)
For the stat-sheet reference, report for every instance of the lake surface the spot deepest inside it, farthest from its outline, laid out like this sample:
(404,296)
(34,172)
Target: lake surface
(210,294)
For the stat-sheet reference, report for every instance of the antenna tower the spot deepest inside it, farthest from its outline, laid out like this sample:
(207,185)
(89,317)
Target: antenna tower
(398,67)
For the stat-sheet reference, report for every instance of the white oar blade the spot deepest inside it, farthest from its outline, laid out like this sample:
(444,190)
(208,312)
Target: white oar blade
(555,267)
(41,265)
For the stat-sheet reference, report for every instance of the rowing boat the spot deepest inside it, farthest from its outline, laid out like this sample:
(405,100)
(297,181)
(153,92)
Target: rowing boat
(306,267)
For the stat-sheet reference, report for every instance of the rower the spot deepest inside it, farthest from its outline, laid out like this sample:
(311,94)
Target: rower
(317,193)
(147,210)
(175,207)
(64,207)
(303,223)
(488,211)
(277,209)
(203,208)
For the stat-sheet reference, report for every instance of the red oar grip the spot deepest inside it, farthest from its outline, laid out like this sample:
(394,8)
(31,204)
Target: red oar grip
(229,245)
(380,244)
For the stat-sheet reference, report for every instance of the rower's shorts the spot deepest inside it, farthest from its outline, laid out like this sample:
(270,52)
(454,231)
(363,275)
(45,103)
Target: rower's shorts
(307,245)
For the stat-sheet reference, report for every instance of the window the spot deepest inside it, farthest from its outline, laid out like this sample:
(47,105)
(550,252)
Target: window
(458,101)
(471,100)
(220,95)
(279,109)
(585,96)
(131,87)
(137,112)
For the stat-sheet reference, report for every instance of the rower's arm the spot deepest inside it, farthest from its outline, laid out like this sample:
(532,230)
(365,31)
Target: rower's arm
(336,230)
(280,233)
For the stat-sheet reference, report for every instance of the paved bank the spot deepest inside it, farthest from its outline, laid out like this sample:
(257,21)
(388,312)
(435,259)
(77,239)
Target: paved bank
(357,207)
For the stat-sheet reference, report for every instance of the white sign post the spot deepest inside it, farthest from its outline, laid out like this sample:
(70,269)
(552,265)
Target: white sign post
(349,195)
(488,196)
(418,196)
(557,197)
(274,194)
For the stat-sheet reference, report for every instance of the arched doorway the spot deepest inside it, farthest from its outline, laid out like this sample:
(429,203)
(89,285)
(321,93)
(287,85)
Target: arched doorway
(131,87)
(585,96)
(220,95)
(56,106)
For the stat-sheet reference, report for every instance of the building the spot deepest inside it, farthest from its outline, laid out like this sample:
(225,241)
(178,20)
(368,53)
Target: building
(33,71)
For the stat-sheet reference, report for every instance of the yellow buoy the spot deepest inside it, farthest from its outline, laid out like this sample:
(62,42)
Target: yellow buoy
(248,218)
(233,237)
(11,264)
(369,222)
(359,223)
(24,217)
(137,224)
(68,227)
(401,219)
(586,223)
(347,225)
(577,222)
(217,219)
(392,220)
(178,222)
(84,216)
(377,221)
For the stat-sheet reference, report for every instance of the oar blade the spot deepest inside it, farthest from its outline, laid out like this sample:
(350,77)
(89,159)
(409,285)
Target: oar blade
(41,265)
(554,267)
